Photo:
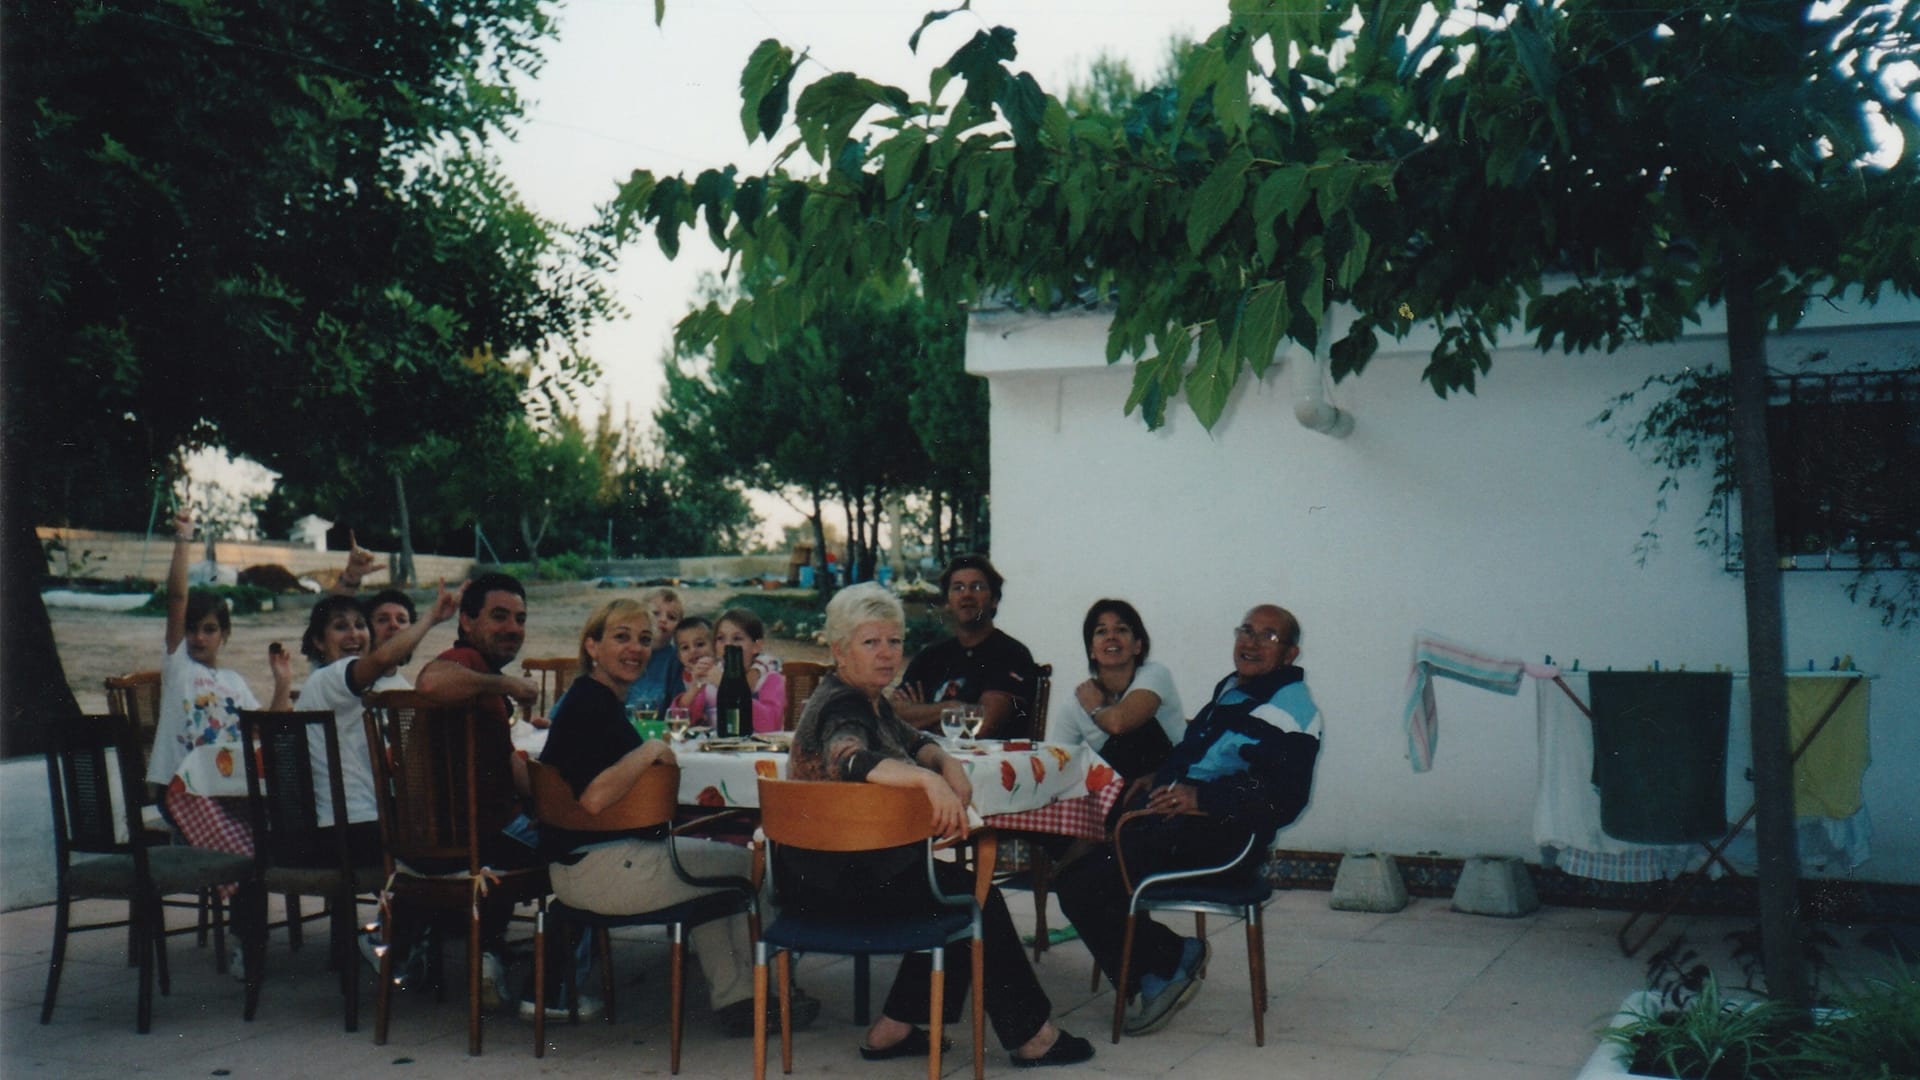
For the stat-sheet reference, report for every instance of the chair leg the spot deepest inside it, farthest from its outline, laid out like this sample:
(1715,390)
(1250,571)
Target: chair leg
(862,988)
(154,927)
(1040,867)
(540,984)
(253,952)
(979,1009)
(786,1011)
(603,948)
(1200,931)
(676,1001)
(473,983)
(296,936)
(383,991)
(152,944)
(219,914)
(341,920)
(208,899)
(1120,987)
(59,956)
(1257,974)
(759,1010)
(937,1011)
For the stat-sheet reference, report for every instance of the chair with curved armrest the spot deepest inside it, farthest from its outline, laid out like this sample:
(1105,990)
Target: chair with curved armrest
(434,768)
(821,816)
(554,674)
(81,783)
(296,852)
(649,803)
(1235,888)
(803,677)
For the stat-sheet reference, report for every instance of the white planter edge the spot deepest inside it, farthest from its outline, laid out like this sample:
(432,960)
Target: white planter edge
(1609,1060)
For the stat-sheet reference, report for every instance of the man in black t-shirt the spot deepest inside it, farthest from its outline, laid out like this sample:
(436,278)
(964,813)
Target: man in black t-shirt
(979,665)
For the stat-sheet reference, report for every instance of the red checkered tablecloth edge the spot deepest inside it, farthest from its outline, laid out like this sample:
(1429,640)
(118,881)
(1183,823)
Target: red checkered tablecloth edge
(1085,816)
(206,824)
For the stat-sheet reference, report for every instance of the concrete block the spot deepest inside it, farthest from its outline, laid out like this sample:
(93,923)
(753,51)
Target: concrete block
(1495,885)
(1368,882)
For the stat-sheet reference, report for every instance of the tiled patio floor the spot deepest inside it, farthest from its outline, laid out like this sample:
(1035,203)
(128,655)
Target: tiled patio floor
(1424,994)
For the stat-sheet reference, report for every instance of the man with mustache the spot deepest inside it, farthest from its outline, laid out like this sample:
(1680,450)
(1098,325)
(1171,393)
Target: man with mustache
(493,625)
(979,665)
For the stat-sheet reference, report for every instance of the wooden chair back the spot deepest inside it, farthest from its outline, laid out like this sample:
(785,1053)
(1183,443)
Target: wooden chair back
(827,816)
(649,802)
(287,830)
(433,770)
(81,780)
(136,696)
(555,674)
(803,677)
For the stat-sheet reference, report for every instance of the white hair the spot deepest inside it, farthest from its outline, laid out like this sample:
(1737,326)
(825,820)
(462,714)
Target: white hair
(854,607)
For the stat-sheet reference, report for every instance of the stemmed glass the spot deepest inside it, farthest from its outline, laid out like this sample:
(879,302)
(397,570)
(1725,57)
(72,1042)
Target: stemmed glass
(953,721)
(679,718)
(972,717)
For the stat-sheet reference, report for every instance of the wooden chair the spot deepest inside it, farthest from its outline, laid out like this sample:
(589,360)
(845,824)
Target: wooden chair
(650,803)
(433,769)
(1200,890)
(136,696)
(296,853)
(555,674)
(81,782)
(822,816)
(803,677)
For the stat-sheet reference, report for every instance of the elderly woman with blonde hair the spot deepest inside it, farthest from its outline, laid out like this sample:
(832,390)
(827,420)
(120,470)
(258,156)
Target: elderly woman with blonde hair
(849,733)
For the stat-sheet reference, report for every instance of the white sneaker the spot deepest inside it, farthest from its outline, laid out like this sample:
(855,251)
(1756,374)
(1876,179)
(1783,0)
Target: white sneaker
(237,961)
(590,1008)
(493,976)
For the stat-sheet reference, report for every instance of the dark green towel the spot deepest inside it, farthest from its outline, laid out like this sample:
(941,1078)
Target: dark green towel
(1660,754)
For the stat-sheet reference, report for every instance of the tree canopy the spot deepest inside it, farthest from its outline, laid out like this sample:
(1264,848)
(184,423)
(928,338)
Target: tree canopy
(868,402)
(268,226)
(1590,171)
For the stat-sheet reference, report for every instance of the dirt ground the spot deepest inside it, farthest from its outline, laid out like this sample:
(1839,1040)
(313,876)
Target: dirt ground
(94,644)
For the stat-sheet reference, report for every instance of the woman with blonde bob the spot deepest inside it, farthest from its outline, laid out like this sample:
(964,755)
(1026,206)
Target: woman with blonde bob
(601,757)
(850,733)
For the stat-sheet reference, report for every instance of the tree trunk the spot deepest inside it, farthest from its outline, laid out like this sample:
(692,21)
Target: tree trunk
(531,537)
(822,580)
(35,692)
(1779,875)
(403,563)
(939,528)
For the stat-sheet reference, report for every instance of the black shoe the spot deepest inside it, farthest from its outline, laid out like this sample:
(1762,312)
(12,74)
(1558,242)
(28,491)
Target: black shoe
(1066,1050)
(736,1020)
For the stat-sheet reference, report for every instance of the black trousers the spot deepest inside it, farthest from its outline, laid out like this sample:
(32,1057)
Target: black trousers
(1016,1006)
(1095,898)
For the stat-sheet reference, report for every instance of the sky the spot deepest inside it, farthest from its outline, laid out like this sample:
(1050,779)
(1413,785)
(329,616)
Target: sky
(618,93)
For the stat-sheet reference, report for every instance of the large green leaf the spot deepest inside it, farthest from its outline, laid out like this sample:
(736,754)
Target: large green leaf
(764,84)
(1217,198)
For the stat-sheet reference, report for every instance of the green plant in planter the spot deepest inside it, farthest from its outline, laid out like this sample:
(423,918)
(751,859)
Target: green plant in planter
(1711,1038)
(1872,1033)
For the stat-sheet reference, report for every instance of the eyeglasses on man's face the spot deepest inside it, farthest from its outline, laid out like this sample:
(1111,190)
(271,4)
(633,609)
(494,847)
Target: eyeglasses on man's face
(1249,632)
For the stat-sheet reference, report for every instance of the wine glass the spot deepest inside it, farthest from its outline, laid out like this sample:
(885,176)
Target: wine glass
(972,717)
(679,718)
(952,722)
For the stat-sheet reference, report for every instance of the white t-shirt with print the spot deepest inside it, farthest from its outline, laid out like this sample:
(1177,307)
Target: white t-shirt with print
(1072,724)
(199,705)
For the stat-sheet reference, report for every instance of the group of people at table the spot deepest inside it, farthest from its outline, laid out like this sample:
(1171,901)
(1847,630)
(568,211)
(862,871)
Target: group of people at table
(1243,765)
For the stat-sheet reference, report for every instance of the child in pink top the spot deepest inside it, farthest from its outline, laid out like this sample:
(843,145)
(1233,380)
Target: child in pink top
(700,648)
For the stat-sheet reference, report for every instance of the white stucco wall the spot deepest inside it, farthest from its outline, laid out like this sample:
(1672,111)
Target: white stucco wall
(1505,520)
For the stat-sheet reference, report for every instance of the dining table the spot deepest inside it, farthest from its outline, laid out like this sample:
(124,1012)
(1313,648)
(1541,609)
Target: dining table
(1017,785)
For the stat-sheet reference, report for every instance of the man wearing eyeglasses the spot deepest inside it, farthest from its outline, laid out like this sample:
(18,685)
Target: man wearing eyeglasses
(1246,763)
(979,665)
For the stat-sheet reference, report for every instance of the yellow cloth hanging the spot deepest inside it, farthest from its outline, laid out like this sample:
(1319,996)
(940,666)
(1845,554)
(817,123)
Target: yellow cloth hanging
(1826,779)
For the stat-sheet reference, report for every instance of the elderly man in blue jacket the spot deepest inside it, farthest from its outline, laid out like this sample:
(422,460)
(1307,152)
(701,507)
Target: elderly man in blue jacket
(1247,763)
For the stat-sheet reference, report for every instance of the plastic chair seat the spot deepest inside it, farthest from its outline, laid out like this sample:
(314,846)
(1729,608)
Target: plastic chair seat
(1224,897)
(856,935)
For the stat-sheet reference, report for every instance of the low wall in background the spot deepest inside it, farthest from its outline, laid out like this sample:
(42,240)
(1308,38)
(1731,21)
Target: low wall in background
(110,556)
